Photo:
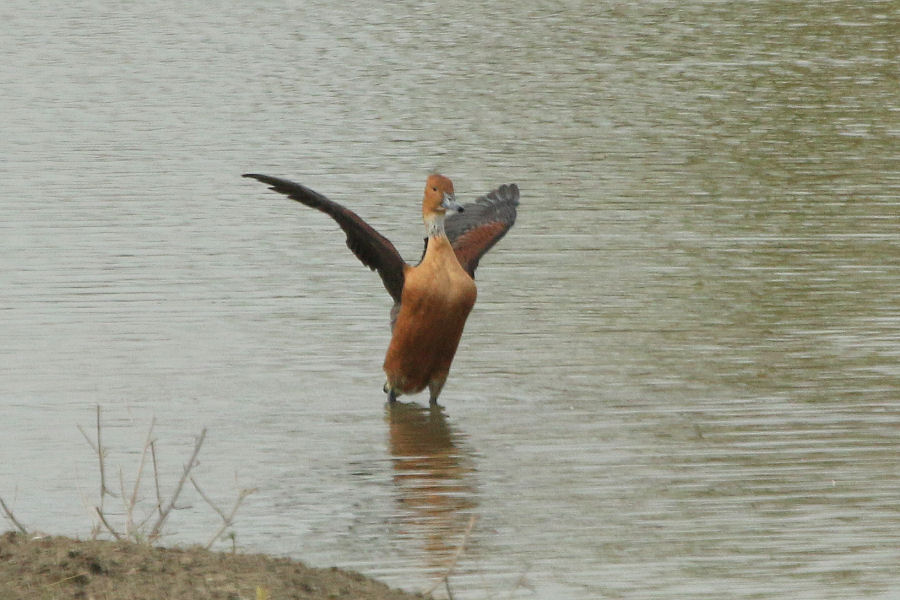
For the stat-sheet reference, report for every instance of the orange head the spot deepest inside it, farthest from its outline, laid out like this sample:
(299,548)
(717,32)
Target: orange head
(439,197)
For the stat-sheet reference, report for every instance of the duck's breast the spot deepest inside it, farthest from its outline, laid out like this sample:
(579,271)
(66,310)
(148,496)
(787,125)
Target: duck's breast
(437,298)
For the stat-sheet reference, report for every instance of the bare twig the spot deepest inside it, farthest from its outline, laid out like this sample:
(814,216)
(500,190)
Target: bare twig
(143,522)
(452,564)
(87,439)
(100,452)
(131,502)
(69,578)
(164,513)
(104,490)
(140,473)
(156,477)
(106,523)
(136,524)
(227,520)
(208,500)
(12,518)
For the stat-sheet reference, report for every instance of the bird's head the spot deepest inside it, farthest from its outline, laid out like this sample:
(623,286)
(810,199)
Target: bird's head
(439,197)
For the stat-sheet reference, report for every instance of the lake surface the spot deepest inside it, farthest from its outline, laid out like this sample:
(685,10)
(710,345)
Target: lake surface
(682,376)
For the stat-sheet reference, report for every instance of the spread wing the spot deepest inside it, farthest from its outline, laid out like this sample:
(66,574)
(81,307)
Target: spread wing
(373,249)
(481,225)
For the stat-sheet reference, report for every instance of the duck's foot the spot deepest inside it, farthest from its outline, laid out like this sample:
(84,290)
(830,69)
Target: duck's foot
(392,396)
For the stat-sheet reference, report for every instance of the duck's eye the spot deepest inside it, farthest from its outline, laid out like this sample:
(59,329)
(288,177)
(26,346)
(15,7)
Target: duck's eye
(434,189)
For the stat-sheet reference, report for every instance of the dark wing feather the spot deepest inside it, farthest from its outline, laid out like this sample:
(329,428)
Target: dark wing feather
(481,225)
(373,249)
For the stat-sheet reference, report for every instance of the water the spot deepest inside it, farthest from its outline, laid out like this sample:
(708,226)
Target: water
(681,377)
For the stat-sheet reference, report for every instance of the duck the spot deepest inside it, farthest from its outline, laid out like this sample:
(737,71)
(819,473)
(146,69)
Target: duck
(432,299)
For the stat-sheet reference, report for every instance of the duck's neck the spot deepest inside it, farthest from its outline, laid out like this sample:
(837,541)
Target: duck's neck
(434,225)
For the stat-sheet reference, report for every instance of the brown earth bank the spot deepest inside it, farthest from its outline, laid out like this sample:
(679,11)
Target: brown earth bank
(59,568)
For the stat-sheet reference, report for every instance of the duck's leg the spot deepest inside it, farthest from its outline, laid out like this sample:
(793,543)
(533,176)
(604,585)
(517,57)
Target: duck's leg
(392,395)
(434,388)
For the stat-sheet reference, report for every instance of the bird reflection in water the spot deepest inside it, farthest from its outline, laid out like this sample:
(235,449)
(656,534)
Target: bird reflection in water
(434,479)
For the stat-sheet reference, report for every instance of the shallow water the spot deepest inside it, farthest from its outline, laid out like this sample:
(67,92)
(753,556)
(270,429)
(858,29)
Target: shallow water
(680,380)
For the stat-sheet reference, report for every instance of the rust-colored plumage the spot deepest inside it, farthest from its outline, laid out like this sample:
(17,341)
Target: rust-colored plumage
(433,298)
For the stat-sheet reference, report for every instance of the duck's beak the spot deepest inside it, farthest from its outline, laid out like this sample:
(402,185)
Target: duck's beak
(450,204)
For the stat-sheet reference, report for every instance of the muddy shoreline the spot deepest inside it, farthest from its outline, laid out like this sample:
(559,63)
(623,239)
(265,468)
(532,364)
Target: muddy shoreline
(61,568)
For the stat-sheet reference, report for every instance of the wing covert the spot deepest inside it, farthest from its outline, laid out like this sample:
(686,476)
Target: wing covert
(370,247)
(482,224)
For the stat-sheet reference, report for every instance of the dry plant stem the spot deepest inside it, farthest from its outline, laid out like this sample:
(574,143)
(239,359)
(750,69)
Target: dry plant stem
(69,578)
(208,500)
(156,477)
(140,473)
(109,528)
(452,565)
(164,513)
(227,520)
(103,488)
(132,501)
(12,518)
(135,529)
(99,451)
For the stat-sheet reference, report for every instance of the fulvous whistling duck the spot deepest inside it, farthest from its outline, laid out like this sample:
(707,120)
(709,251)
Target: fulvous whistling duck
(432,299)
